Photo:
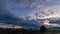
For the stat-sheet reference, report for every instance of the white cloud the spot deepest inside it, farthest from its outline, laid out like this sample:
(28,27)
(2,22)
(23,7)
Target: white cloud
(46,12)
(40,6)
(46,23)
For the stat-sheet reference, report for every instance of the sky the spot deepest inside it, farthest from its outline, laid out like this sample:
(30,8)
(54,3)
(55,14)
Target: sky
(25,8)
(30,7)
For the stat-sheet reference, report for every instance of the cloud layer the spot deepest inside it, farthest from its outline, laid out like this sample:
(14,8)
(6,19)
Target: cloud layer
(23,8)
(30,7)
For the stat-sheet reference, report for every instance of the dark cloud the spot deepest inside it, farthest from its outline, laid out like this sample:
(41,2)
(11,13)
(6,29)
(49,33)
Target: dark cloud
(14,9)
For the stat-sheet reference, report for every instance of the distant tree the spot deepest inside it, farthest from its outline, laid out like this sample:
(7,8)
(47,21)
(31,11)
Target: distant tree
(43,28)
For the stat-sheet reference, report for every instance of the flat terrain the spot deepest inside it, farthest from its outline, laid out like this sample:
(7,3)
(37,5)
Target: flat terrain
(8,31)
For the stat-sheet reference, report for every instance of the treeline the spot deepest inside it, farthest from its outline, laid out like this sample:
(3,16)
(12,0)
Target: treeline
(22,31)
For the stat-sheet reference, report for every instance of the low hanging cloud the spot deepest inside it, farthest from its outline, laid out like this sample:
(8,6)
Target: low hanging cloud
(41,8)
(46,23)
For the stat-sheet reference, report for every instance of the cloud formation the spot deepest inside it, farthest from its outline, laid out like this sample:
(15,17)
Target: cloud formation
(27,7)
(23,8)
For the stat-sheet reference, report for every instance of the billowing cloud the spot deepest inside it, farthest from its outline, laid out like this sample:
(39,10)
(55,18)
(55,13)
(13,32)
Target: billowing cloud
(24,7)
(27,7)
(41,8)
(46,23)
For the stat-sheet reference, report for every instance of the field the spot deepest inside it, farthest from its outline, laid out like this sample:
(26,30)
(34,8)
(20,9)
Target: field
(17,31)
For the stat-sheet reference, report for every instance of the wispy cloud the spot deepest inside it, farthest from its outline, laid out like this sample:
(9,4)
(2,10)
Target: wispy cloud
(30,7)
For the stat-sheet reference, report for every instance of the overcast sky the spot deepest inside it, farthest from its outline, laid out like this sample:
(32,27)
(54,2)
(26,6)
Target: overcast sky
(30,7)
(22,8)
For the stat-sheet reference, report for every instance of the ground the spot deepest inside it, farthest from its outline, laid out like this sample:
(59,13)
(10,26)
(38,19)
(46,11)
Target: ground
(8,31)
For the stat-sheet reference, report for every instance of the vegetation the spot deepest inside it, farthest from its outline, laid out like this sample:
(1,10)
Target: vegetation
(43,29)
(23,31)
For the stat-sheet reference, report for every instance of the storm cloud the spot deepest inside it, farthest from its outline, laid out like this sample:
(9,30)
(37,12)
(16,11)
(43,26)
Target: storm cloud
(25,8)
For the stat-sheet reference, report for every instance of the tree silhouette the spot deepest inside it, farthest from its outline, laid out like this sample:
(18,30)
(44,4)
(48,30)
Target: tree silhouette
(43,29)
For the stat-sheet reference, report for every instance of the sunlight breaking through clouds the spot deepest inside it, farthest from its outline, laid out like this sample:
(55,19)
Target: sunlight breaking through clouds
(46,22)
(30,8)
(3,25)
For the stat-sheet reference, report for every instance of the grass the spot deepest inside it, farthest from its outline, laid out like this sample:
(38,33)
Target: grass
(17,31)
